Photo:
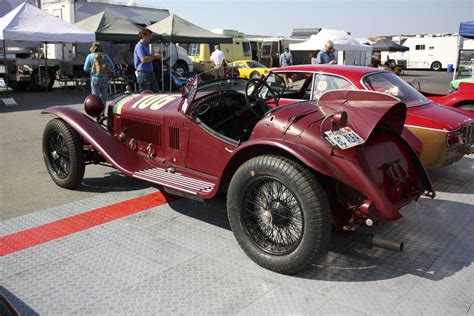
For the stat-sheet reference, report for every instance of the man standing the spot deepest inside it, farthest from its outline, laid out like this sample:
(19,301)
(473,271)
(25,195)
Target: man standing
(218,60)
(286,59)
(143,62)
(100,66)
(327,56)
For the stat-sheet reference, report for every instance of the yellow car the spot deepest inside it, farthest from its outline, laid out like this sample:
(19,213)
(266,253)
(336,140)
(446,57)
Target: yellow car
(249,68)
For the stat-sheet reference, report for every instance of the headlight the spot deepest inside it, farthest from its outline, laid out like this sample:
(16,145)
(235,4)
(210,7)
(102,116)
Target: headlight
(454,138)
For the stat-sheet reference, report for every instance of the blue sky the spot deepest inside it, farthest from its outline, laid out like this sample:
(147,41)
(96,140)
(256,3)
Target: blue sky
(363,18)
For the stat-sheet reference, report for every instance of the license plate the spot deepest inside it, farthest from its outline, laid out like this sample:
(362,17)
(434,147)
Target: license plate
(343,138)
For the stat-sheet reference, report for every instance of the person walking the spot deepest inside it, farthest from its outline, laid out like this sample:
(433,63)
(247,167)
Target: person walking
(327,56)
(218,61)
(286,59)
(100,66)
(143,62)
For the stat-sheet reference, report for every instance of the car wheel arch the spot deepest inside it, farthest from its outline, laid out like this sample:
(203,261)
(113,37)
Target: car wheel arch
(299,154)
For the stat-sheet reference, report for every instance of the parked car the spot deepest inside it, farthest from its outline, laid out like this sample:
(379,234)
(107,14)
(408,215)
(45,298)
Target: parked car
(290,174)
(461,96)
(447,133)
(249,68)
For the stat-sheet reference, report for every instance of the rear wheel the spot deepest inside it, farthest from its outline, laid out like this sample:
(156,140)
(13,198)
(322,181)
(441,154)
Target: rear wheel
(436,66)
(279,213)
(63,154)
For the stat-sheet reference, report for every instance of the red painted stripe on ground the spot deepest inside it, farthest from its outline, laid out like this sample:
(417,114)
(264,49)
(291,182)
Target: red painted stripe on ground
(70,225)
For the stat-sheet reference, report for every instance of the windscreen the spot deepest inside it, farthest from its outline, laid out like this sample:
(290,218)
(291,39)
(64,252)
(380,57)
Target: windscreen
(390,83)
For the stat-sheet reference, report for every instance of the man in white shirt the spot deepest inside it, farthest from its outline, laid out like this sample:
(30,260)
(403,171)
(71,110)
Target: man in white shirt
(218,62)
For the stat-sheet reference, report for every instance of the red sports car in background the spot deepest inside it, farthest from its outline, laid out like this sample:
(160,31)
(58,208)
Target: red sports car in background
(447,133)
(462,98)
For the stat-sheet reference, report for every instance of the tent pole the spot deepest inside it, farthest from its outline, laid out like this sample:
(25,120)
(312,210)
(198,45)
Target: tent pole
(46,65)
(162,68)
(5,62)
(170,67)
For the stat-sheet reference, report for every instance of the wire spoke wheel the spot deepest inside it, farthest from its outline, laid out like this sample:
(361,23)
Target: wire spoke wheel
(279,213)
(273,217)
(58,155)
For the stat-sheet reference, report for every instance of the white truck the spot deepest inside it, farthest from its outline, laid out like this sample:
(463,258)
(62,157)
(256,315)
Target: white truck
(428,52)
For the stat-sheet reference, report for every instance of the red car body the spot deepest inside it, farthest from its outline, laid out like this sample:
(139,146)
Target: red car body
(432,123)
(211,140)
(463,97)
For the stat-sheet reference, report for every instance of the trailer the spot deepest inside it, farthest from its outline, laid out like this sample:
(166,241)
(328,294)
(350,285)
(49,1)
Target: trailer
(428,52)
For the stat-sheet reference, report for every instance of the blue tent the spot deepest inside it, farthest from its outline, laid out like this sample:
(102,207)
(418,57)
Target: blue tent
(466,29)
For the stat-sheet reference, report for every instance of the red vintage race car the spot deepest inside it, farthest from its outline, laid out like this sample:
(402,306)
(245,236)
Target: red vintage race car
(462,98)
(447,133)
(291,174)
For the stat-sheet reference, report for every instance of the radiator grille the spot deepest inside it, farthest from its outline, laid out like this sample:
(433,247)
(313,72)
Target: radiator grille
(174,137)
(147,132)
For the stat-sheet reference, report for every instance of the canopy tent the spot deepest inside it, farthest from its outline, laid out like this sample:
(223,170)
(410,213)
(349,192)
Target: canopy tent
(108,27)
(176,29)
(342,42)
(28,23)
(386,45)
(466,29)
(351,51)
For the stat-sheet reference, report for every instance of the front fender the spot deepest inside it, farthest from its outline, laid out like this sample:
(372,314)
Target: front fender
(117,154)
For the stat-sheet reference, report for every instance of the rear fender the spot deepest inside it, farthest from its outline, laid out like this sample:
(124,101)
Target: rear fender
(117,154)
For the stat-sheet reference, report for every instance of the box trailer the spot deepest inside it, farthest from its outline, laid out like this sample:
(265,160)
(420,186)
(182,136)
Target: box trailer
(429,52)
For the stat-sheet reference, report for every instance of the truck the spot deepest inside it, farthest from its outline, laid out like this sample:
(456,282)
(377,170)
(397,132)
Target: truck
(273,47)
(26,64)
(200,53)
(428,52)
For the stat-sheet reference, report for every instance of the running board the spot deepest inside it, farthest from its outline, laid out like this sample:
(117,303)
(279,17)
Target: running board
(175,181)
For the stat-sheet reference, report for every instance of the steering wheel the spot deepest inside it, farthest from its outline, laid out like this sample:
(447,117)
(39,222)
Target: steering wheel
(253,99)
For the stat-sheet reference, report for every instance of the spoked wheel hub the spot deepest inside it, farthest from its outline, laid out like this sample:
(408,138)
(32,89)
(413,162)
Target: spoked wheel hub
(58,154)
(273,217)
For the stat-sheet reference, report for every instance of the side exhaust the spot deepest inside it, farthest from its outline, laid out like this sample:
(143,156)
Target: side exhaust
(372,240)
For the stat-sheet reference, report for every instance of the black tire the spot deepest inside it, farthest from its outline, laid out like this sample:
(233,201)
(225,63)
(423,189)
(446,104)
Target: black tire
(181,68)
(436,66)
(254,75)
(267,196)
(38,82)
(63,154)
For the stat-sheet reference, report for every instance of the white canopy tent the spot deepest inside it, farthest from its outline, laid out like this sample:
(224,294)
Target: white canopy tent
(28,23)
(350,50)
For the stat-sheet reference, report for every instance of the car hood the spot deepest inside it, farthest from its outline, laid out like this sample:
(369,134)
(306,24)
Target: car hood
(145,106)
(433,115)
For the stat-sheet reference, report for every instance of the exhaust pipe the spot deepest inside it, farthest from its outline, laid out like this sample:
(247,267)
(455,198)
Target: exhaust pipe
(372,240)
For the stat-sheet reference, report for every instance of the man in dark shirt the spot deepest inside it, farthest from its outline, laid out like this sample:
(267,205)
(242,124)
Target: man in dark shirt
(143,62)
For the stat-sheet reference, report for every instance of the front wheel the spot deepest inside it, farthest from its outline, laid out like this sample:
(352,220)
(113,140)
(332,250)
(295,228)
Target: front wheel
(63,154)
(279,213)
